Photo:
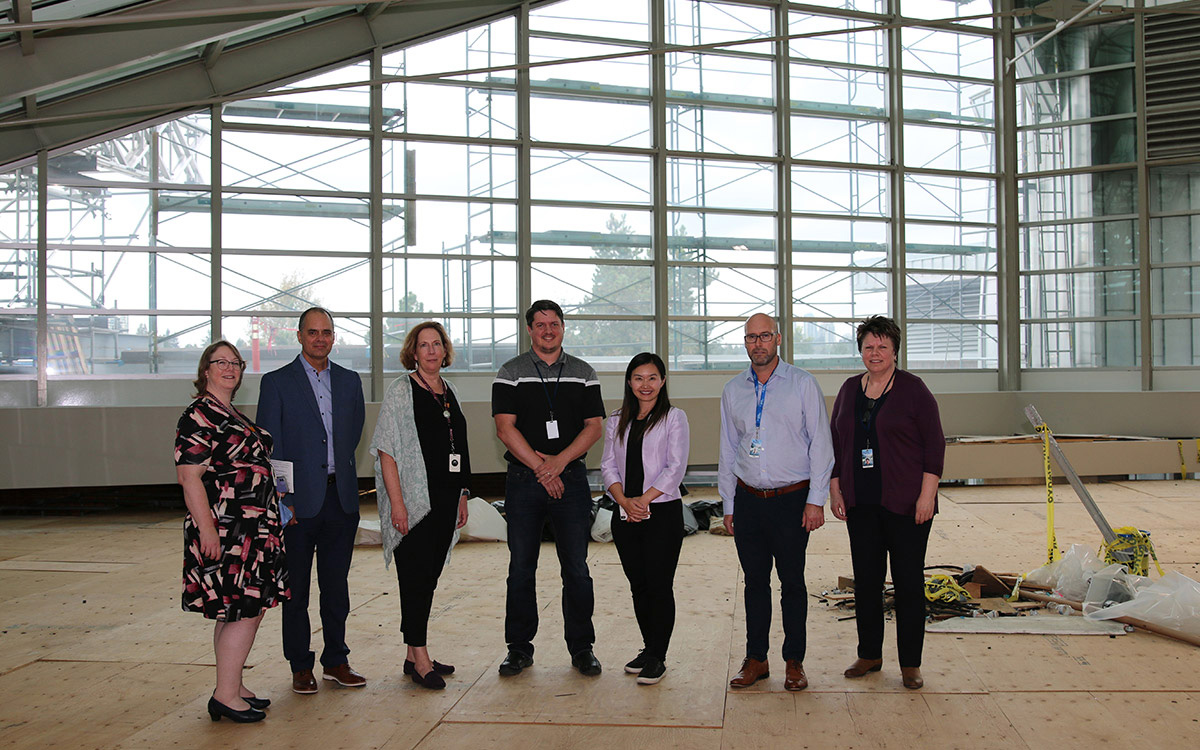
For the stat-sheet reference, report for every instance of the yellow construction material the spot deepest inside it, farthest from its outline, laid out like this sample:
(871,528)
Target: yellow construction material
(1052,552)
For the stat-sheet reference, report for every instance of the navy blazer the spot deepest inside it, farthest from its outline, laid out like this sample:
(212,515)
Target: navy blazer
(288,410)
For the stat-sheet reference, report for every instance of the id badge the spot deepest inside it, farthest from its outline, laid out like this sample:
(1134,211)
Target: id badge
(455,462)
(552,429)
(868,458)
(756,448)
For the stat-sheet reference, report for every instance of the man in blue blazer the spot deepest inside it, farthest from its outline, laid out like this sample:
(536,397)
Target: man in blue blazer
(314,410)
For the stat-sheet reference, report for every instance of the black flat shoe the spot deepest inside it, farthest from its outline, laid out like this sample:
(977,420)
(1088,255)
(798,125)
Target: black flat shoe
(431,680)
(586,662)
(442,669)
(259,703)
(217,709)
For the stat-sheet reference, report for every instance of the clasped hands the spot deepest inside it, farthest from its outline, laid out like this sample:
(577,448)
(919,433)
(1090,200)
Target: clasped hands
(636,508)
(548,471)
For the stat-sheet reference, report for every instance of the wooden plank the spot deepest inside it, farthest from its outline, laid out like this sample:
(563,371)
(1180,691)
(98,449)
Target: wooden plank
(1088,719)
(56,566)
(574,737)
(1029,625)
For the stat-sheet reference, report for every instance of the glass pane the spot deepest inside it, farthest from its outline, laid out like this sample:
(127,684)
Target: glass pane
(720,131)
(1086,145)
(587,289)
(1083,344)
(588,75)
(1076,97)
(346,107)
(1055,246)
(721,238)
(292,285)
(729,291)
(690,22)
(851,141)
(174,152)
(720,184)
(950,247)
(18,357)
(857,47)
(295,222)
(1175,239)
(947,101)
(115,345)
(1080,295)
(1175,290)
(449,228)
(707,345)
(295,162)
(475,170)
(825,345)
(449,285)
(950,346)
(838,294)
(946,296)
(489,45)
(939,9)
(480,344)
(865,6)
(593,177)
(825,89)
(839,191)
(953,198)
(1078,196)
(128,216)
(610,123)
(696,77)
(590,233)
(616,19)
(1077,48)
(608,345)
(450,109)
(950,149)
(270,343)
(947,53)
(1175,188)
(831,242)
(1176,342)
(128,280)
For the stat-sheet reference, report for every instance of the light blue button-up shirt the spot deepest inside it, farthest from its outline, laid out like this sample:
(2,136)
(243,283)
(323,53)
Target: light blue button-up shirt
(796,442)
(322,385)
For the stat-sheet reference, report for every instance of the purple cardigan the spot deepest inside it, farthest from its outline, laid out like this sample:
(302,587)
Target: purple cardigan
(911,442)
(664,454)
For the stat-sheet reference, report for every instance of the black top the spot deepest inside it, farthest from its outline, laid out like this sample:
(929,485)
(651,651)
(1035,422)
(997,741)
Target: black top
(635,473)
(868,483)
(526,387)
(434,435)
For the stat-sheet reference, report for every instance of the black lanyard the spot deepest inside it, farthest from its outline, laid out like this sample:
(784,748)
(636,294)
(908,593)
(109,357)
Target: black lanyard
(444,400)
(873,405)
(549,399)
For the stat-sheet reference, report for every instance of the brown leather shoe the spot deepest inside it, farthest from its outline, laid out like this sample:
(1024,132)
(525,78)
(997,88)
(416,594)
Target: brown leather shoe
(862,666)
(303,682)
(343,675)
(911,676)
(751,672)
(794,677)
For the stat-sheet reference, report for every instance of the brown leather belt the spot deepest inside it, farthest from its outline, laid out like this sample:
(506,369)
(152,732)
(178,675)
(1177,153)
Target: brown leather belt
(772,493)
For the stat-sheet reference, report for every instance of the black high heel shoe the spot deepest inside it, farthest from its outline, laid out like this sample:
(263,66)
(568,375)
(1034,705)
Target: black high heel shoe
(259,703)
(442,669)
(217,709)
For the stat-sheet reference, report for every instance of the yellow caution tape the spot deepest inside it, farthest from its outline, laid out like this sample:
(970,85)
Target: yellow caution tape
(1137,551)
(942,588)
(1016,590)
(1182,463)
(1052,552)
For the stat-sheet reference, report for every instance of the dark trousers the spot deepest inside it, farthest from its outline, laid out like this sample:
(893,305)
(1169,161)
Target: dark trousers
(420,557)
(649,552)
(526,507)
(875,535)
(766,531)
(330,537)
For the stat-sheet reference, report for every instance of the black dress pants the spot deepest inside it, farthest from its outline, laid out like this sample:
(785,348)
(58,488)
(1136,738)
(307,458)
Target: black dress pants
(649,552)
(875,535)
(420,557)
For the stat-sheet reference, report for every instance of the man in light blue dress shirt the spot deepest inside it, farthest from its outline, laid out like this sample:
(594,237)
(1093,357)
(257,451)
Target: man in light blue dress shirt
(776,457)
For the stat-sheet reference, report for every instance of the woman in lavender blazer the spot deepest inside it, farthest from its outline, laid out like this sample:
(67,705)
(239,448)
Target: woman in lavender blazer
(645,454)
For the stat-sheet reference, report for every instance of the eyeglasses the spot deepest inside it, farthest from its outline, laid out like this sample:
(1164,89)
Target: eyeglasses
(752,338)
(228,364)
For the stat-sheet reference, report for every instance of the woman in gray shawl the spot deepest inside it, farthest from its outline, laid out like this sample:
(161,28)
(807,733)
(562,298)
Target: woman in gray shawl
(422,479)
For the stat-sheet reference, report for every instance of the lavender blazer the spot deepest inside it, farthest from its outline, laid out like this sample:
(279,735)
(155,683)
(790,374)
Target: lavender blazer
(664,454)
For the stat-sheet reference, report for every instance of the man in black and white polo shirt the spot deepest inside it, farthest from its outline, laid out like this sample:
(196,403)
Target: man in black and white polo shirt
(548,413)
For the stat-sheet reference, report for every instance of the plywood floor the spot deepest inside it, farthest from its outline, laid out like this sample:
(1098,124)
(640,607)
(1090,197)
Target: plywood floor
(95,653)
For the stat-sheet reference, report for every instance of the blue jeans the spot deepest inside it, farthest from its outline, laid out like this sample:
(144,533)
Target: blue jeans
(526,506)
(767,530)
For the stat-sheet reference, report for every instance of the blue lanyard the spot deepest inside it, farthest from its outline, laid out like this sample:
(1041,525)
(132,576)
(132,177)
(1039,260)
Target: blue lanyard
(762,398)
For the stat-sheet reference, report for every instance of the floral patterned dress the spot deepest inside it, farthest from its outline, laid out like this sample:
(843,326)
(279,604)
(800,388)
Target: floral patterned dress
(251,574)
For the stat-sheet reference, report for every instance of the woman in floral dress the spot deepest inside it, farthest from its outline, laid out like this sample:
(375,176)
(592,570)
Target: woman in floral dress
(233,560)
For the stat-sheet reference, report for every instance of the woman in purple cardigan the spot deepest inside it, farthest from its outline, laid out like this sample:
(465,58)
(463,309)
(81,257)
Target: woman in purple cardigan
(645,453)
(888,456)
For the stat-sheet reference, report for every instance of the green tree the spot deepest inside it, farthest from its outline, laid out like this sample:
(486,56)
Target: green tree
(616,290)
(292,299)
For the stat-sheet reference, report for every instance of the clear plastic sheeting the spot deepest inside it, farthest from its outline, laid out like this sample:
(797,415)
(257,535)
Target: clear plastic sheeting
(1171,602)
(1111,586)
(1069,576)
